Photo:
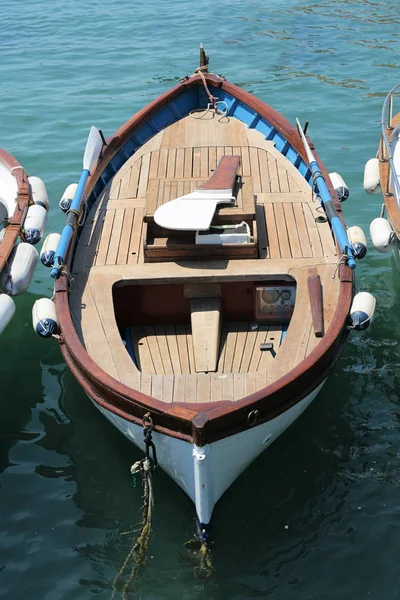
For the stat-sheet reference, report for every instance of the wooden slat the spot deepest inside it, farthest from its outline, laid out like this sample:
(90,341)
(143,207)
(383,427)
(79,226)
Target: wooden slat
(173,349)
(115,237)
(302,230)
(179,162)
(255,170)
(164,350)
(283,236)
(135,237)
(189,341)
(203,388)
(283,180)
(191,388)
(294,242)
(272,231)
(179,388)
(154,349)
(280,197)
(238,386)
(264,171)
(144,175)
(141,350)
(273,174)
(105,238)
(188,162)
(249,383)
(230,347)
(162,163)
(313,233)
(239,347)
(205,316)
(171,163)
(182,348)
(122,257)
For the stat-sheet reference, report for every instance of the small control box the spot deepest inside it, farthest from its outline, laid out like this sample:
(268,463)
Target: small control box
(274,303)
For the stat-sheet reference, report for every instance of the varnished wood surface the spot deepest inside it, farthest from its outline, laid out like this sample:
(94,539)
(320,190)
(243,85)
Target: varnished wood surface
(110,249)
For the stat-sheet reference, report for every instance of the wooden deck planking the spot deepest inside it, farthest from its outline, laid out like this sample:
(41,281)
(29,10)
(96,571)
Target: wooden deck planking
(281,226)
(113,238)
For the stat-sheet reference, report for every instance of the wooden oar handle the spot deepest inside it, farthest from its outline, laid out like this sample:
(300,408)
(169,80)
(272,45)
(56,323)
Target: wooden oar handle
(224,176)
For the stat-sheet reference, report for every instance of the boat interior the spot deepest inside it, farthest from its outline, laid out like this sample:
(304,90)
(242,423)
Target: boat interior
(184,316)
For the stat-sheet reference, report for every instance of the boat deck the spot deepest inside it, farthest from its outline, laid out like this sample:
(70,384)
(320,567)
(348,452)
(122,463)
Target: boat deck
(111,249)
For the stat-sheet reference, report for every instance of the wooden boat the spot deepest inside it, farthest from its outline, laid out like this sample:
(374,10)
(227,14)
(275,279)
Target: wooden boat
(219,346)
(381,175)
(22,220)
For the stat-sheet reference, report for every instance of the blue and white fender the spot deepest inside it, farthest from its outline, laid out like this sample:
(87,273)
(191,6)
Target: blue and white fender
(49,249)
(357,241)
(35,223)
(44,318)
(7,310)
(339,186)
(17,275)
(67,197)
(39,193)
(362,311)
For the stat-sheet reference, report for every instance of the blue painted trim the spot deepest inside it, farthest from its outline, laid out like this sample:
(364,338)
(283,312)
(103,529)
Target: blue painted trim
(67,231)
(330,212)
(284,332)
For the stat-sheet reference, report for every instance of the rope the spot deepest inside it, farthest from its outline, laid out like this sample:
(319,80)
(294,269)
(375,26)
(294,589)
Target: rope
(342,261)
(139,551)
(213,101)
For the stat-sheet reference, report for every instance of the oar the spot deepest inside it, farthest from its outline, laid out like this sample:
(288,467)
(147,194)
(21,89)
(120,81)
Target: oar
(327,202)
(93,148)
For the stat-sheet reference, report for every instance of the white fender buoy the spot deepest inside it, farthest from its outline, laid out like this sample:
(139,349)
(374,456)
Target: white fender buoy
(382,234)
(339,186)
(67,197)
(7,310)
(35,223)
(44,317)
(357,241)
(372,178)
(17,275)
(49,249)
(362,310)
(39,193)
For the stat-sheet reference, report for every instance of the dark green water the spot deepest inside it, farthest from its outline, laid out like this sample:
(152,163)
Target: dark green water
(318,515)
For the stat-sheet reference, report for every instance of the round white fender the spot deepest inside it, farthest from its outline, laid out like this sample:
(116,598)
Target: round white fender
(49,249)
(339,186)
(362,310)
(17,275)
(7,310)
(39,193)
(372,178)
(358,241)
(67,197)
(44,317)
(382,234)
(35,223)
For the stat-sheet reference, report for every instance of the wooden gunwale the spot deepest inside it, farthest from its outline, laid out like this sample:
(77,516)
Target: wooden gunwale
(204,423)
(389,199)
(23,200)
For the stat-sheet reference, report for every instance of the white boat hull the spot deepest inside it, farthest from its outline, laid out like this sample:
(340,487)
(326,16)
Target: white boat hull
(205,473)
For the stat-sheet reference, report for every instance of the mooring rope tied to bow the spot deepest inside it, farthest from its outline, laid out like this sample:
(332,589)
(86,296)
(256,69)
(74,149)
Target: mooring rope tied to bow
(139,551)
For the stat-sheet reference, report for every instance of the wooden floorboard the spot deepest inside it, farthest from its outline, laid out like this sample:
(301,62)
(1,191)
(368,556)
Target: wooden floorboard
(173,163)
